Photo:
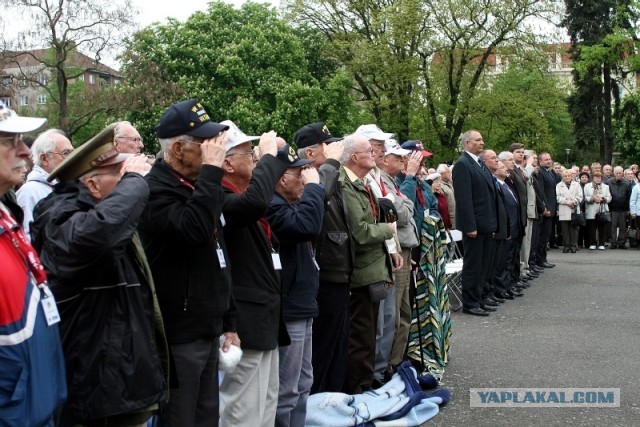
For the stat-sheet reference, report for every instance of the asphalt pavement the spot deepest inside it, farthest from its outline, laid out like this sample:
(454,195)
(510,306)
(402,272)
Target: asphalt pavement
(577,326)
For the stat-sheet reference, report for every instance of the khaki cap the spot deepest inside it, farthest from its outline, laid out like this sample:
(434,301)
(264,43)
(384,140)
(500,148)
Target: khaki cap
(97,152)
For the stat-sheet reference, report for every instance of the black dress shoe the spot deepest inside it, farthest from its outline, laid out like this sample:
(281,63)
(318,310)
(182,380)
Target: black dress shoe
(489,302)
(536,269)
(475,311)
(506,296)
(488,308)
(547,265)
(553,247)
(515,292)
(532,275)
(497,299)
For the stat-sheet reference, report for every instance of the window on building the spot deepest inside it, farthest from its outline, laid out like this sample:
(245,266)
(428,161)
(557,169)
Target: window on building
(42,99)
(24,100)
(6,80)
(7,102)
(42,79)
(23,82)
(92,79)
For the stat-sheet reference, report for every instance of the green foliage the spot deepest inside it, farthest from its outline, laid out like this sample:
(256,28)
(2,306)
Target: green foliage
(246,64)
(524,104)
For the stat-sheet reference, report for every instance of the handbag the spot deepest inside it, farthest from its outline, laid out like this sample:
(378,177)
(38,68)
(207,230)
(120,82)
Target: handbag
(603,217)
(377,291)
(632,233)
(577,218)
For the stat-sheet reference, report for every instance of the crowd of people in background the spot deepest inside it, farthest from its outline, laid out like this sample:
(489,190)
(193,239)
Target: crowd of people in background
(129,277)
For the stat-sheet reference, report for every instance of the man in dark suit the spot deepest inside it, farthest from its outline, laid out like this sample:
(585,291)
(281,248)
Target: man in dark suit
(492,288)
(475,196)
(518,186)
(512,244)
(547,179)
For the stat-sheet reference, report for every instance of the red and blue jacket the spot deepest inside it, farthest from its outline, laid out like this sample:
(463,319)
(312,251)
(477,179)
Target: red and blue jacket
(32,374)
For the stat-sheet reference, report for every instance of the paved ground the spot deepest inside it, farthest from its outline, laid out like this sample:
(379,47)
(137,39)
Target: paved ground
(577,326)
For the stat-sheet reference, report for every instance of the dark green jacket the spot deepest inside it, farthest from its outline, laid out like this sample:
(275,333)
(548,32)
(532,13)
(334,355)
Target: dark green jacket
(372,261)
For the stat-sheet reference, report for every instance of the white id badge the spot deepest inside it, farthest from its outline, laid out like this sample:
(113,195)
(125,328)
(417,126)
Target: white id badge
(222,221)
(221,260)
(50,308)
(426,212)
(276,261)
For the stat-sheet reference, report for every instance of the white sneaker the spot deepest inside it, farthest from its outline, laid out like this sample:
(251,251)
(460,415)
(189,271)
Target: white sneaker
(601,248)
(592,247)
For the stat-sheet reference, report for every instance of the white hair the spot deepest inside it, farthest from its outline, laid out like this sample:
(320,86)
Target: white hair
(44,143)
(351,146)
(442,168)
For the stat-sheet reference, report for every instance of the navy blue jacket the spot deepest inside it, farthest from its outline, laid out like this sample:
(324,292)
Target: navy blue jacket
(296,226)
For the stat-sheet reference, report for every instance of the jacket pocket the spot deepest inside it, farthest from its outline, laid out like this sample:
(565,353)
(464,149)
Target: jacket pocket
(13,387)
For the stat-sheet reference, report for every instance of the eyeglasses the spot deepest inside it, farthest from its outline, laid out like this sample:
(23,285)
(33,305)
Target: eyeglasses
(244,153)
(62,154)
(131,138)
(10,141)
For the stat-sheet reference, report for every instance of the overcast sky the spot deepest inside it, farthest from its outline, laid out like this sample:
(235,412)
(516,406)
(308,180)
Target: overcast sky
(159,10)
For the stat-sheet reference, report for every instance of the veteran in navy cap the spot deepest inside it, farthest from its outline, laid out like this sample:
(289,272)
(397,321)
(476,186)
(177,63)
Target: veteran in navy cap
(182,232)
(315,142)
(111,328)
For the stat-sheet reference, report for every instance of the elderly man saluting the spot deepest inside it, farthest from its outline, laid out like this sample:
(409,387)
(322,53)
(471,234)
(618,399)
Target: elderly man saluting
(182,233)
(111,326)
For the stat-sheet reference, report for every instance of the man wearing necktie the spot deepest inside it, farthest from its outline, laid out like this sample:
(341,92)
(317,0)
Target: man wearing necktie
(475,196)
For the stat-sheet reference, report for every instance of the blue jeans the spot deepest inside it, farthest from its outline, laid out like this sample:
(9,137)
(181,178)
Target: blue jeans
(296,375)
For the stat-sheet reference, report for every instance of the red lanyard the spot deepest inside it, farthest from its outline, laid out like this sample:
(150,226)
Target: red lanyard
(263,221)
(372,202)
(383,188)
(21,243)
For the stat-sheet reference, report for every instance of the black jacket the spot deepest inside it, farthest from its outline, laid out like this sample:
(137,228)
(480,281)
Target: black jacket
(620,194)
(104,297)
(296,226)
(256,284)
(475,196)
(181,231)
(335,249)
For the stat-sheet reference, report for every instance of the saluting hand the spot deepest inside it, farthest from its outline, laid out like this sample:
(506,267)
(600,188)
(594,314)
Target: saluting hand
(268,144)
(136,164)
(414,163)
(213,149)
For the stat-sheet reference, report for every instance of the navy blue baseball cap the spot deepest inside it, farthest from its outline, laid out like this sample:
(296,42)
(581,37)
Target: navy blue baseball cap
(288,156)
(188,118)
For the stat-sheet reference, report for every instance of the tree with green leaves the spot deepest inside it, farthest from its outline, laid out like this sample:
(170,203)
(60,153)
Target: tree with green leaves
(57,32)
(246,65)
(599,51)
(526,103)
(425,55)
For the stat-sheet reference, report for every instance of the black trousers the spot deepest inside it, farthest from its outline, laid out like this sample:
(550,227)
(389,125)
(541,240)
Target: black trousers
(478,254)
(543,239)
(331,335)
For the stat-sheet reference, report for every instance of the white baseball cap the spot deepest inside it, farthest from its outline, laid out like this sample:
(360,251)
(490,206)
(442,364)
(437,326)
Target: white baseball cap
(10,122)
(373,132)
(392,147)
(236,136)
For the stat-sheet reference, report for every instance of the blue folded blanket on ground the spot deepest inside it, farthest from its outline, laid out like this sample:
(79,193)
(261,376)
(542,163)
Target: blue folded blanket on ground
(400,402)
